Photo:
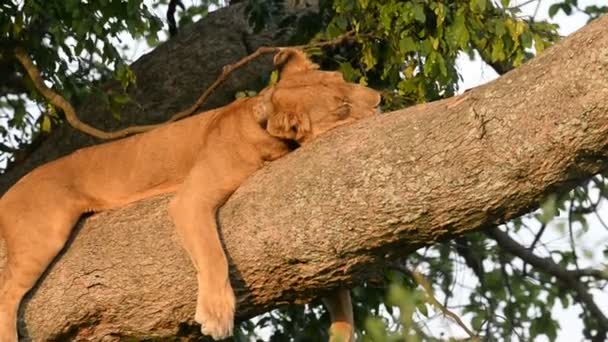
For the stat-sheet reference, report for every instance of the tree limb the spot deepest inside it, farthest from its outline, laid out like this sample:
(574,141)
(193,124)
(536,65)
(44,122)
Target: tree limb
(331,213)
(568,279)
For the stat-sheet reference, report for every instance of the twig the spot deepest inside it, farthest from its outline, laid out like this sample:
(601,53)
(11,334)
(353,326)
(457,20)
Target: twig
(70,114)
(521,5)
(536,9)
(571,235)
(537,237)
(72,118)
(420,280)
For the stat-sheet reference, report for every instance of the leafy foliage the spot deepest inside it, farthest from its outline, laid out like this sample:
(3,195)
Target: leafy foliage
(410,47)
(571,6)
(73,43)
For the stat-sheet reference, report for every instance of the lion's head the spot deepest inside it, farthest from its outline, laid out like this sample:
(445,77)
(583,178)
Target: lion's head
(307,102)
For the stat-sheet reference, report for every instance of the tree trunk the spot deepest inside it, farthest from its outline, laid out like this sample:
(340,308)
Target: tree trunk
(332,212)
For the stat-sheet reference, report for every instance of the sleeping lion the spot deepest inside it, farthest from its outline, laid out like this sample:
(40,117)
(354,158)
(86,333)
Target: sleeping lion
(202,159)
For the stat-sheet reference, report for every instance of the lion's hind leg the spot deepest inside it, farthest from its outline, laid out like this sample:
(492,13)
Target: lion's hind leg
(341,313)
(34,233)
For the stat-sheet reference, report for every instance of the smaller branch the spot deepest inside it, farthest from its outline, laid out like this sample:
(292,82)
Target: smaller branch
(537,237)
(70,114)
(571,235)
(536,9)
(567,279)
(72,118)
(505,276)
(471,258)
(7,149)
(420,280)
(171,15)
(521,5)
(601,220)
(590,272)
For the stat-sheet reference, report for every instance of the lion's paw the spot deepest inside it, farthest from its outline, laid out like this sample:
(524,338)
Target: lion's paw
(215,312)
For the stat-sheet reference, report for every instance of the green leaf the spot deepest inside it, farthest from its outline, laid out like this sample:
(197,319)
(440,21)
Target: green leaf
(407,44)
(46,124)
(368,57)
(539,44)
(121,98)
(423,309)
(548,209)
(434,43)
(418,11)
(18,25)
(459,31)
(349,73)
(476,322)
(363,81)
(478,6)
(499,27)
(274,77)
(526,39)
(442,66)
(375,328)
(429,64)
(553,10)
(341,23)
(498,51)
(440,13)
(152,39)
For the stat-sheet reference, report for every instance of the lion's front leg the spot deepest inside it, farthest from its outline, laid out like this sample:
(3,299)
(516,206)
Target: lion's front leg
(195,223)
(193,211)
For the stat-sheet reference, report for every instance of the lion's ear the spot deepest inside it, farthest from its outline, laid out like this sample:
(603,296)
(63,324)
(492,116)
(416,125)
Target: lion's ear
(289,125)
(263,107)
(291,61)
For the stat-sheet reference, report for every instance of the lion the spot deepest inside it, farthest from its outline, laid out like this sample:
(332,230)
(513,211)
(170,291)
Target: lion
(202,159)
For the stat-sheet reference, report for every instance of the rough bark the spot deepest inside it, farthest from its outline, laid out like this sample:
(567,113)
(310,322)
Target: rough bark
(332,212)
(169,79)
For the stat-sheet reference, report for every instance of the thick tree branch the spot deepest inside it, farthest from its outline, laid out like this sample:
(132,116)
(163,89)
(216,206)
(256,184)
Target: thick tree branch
(569,280)
(332,213)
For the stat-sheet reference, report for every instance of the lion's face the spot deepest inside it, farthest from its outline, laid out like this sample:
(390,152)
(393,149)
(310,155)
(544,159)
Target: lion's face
(306,102)
(311,110)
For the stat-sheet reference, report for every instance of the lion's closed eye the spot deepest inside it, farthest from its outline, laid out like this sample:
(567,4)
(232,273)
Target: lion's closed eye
(343,109)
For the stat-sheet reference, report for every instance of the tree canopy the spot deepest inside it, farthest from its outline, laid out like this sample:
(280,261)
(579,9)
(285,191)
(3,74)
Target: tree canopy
(406,49)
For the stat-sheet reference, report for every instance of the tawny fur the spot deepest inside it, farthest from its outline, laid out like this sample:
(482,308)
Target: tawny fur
(203,159)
